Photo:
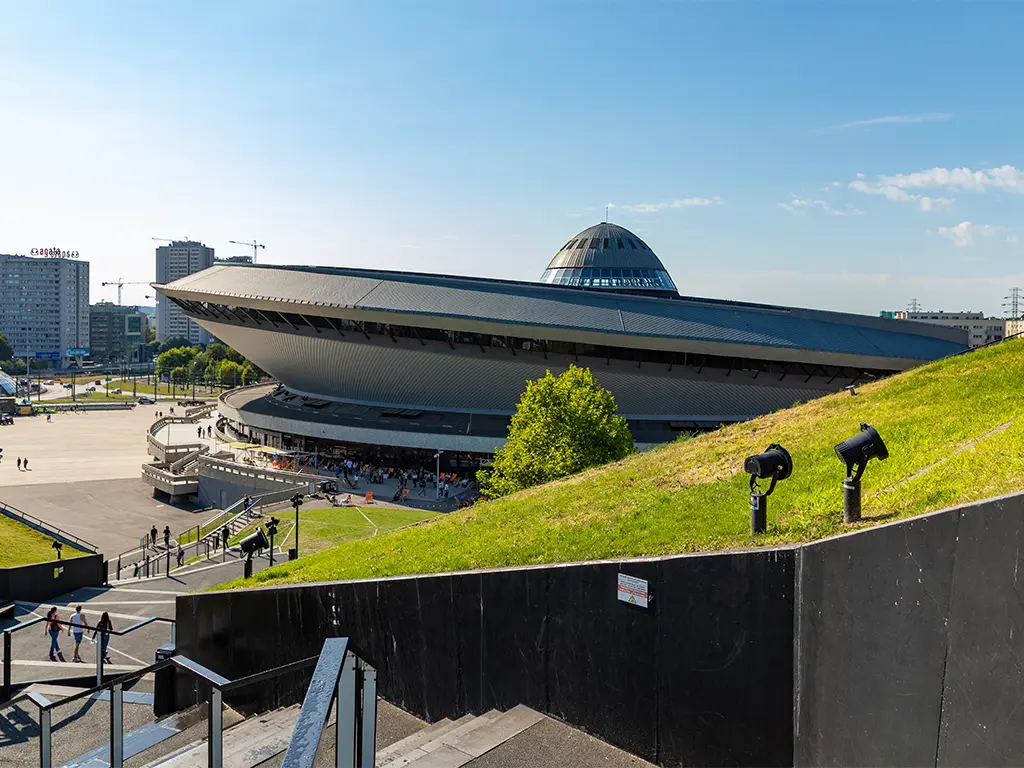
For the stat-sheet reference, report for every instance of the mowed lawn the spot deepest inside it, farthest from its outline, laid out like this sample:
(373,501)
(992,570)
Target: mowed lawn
(954,430)
(323,527)
(21,545)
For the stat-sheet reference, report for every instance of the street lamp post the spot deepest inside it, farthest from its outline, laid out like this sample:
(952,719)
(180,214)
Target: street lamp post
(297,502)
(437,474)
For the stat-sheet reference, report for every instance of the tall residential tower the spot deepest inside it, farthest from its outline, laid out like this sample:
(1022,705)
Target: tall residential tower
(44,305)
(173,262)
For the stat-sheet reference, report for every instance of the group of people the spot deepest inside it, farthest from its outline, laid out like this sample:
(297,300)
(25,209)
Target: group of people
(77,626)
(199,432)
(179,557)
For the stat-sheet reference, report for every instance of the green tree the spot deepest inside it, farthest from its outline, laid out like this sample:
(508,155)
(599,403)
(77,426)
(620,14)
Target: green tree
(562,425)
(229,373)
(173,342)
(174,358)
(6,350)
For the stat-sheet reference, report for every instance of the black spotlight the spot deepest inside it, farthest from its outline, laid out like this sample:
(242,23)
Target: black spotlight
(855,453)
(57,546)
(775,463)
(254,541)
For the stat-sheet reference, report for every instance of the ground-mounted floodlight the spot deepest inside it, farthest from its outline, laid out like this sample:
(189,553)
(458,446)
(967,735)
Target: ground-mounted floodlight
(272,524)
(58,547)
(774,464)
(250,545)
(855,453)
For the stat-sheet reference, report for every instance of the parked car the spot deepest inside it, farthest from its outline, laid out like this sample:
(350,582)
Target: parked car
(147,401)
(48,382)
(117,391)
(68,385)
(90,388)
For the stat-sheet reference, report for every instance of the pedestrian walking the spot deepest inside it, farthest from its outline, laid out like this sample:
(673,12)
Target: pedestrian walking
(104,627)
(209,431)
(19,463)
(24,463)
(199,433)
(167,537)
(49,418)
(152,536)
(78,627)
(181,556)
(52,628)
(225,534)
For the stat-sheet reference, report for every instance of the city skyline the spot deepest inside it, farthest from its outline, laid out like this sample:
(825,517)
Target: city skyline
(840,158)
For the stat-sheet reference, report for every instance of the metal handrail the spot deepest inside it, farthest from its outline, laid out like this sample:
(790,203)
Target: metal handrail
(7,633)
(75,541)
(349,708)
(340,676)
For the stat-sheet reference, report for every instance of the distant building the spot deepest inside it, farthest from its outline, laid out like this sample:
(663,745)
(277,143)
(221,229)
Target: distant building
(1014,327)
(44,305)
(116,333)
(173,262)
(235,260)
(981,330)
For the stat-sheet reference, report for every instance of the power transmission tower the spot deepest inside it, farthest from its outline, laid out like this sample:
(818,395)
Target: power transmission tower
(913,306)
(1013,303)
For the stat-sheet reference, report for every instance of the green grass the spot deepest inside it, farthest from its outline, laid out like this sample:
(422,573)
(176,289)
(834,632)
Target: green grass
(954,430)
(21,545)
(181,392)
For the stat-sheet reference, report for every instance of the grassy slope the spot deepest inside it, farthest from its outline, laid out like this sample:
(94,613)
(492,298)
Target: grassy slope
(20,545)
(692,495)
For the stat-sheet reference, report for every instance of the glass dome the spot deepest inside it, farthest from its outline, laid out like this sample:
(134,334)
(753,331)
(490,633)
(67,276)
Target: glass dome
(610,257)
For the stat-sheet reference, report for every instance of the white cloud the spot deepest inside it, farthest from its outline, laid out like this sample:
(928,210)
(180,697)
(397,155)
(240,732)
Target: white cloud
(686,202)
(897,194)
(799,206)
(965,233)
(923,117)
(895,187)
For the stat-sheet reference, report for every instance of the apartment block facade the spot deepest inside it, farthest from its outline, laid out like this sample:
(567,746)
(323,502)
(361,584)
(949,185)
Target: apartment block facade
(44,305)
(981,330)
(179,259)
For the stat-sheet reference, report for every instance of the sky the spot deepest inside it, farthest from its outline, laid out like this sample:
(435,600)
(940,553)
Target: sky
(842,155)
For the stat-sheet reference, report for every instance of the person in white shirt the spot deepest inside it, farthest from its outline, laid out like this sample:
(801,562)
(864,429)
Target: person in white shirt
(78,627)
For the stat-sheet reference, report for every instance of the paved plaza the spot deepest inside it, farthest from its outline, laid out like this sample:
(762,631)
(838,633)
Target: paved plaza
(85,474)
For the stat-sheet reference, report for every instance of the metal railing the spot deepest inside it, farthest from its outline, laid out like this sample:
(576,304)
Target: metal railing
(185,461)
(339,676)
(8,684)
(49,529)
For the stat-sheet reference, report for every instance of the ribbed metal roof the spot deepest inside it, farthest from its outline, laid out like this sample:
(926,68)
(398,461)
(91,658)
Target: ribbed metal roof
(606,246)
(557,308)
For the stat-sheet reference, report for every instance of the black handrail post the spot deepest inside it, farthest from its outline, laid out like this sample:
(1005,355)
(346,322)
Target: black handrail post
(7,664)
(215,737)
(118,567)
(345,741)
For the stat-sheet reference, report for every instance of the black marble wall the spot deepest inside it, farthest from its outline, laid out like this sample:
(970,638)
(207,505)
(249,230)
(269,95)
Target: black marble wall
(43,581)
(909,642)
(703,676)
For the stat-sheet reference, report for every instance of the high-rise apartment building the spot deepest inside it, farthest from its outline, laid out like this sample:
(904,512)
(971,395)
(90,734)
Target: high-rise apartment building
(981,330)
(179,259)
(44,305)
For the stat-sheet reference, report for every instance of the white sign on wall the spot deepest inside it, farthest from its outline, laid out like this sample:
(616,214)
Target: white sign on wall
(633,590)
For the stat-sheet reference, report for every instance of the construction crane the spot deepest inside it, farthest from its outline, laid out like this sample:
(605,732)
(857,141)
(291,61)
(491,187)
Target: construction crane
(169,240)
(121,284)
(254,245)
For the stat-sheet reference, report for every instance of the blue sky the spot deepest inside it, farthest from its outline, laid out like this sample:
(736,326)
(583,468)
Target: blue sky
(840,155)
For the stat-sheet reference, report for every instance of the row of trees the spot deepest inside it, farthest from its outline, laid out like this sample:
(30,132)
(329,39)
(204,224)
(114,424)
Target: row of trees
(215,364)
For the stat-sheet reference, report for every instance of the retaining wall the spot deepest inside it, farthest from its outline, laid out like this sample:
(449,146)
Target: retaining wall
(43,581)
(894,645)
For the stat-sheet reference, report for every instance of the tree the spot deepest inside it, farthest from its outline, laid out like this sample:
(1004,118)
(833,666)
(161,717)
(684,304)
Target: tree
(173,342)
(174,358)
(562,425)
(229,373)
(6,350)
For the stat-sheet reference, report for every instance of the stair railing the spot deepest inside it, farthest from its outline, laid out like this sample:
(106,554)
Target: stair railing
(215,717)
(340,676)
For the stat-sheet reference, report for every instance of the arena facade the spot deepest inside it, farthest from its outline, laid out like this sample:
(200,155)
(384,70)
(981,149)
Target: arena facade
(426,362)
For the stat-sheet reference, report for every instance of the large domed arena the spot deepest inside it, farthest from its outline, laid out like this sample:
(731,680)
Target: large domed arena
(428,362)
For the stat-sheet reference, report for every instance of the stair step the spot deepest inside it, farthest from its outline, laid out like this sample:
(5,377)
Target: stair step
(247,744)
(419,738)
(470,724)
(463,745)
(140,739)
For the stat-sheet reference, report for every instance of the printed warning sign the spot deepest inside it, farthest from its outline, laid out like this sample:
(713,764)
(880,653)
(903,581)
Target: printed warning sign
(633,590)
